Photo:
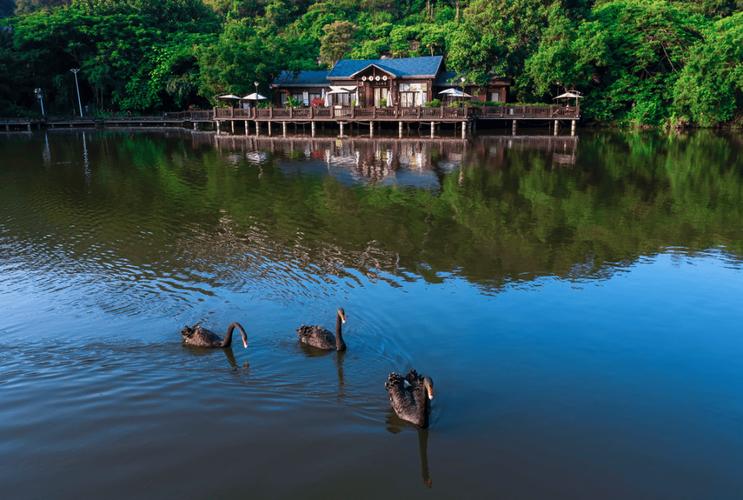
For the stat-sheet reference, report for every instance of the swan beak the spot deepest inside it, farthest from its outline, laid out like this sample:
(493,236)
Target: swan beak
(245,343)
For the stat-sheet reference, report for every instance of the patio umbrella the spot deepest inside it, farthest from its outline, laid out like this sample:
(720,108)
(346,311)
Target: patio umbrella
(254,97)
(570,94)
(229,97)
(454,93)
(337,89)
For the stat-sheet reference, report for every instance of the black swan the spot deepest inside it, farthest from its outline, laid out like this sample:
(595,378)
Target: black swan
(320,338)
(199,336)
(410,396)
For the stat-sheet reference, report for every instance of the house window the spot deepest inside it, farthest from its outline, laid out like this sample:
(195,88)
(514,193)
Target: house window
(381,95)
(495,96)
(412,94)
(343,99)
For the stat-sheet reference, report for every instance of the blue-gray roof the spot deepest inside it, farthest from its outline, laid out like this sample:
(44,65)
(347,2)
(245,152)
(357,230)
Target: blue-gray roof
(404,67)
(302,78)
(446,78)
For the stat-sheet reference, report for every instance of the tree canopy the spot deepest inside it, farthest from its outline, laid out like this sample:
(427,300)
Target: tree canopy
(639,62)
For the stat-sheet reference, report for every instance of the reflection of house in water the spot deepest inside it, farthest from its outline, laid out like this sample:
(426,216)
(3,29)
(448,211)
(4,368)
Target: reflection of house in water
(413,162)
(409,162)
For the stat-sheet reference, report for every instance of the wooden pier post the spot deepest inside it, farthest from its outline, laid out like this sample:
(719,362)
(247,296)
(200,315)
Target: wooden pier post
(464,130)
(283,129)
(572,127)
(269,128)
(312,127)
(433,128)
(247,128)
(371,129)
(513,127)
(232,125)
(399,128)
(557,127)
(218,126)
(341,123)
(257,128)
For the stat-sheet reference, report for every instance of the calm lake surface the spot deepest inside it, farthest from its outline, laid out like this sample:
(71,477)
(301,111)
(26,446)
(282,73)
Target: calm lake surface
(577,302)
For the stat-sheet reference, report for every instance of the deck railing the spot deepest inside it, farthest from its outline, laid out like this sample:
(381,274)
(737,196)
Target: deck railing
(393,113)
(536,112)
(199,115)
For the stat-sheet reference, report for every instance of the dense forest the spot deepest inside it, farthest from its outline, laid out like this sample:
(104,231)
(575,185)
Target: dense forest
(638,62)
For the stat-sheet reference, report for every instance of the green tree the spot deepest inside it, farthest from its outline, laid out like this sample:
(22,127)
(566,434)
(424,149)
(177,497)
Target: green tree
(710,87)
(336,41)
(496,37)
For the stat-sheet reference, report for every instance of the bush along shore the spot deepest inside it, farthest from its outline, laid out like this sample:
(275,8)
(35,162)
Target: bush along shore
(670,63)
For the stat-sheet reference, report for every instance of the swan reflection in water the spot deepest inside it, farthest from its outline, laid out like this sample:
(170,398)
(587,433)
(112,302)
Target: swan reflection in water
(228,353)
(395,425)
(340,356)
(233,361)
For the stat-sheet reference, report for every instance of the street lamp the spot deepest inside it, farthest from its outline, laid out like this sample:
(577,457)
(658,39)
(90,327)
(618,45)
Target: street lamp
(256,87)
(40,96)
(77,87)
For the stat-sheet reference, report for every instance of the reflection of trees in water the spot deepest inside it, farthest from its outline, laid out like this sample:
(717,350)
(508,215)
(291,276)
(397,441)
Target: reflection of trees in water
(503,213)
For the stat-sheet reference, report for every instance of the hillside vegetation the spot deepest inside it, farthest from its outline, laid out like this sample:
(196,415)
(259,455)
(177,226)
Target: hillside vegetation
(639,62)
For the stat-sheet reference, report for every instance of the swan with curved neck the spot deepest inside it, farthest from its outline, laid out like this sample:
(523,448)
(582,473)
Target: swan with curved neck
(320,338)
(410,397)
(198,336)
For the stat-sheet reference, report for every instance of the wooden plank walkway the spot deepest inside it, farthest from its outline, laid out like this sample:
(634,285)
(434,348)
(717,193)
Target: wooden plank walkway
(18,124)
(412,114)
(466,117)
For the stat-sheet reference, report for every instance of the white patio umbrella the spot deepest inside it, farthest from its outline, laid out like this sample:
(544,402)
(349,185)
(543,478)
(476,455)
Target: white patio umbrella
(255,96)
(570,94)
(229,97)
(454,93)
(337,89)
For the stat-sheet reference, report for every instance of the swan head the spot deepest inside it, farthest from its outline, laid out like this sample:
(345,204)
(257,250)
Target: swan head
(187,332)
(428,385)
(342,315)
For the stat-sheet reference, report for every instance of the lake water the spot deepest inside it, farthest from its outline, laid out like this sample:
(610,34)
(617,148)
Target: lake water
(577,302)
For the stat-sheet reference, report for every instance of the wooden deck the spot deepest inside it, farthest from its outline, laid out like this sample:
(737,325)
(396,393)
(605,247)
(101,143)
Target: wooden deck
(18,124)
(440,114)
(466,117)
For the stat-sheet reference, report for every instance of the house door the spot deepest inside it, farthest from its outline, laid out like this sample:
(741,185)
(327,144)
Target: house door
(381,93)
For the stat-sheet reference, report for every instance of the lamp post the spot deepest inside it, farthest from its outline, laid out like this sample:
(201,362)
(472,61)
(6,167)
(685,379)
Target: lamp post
(256,95)
(40,96)
(77,88)
(462,80)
